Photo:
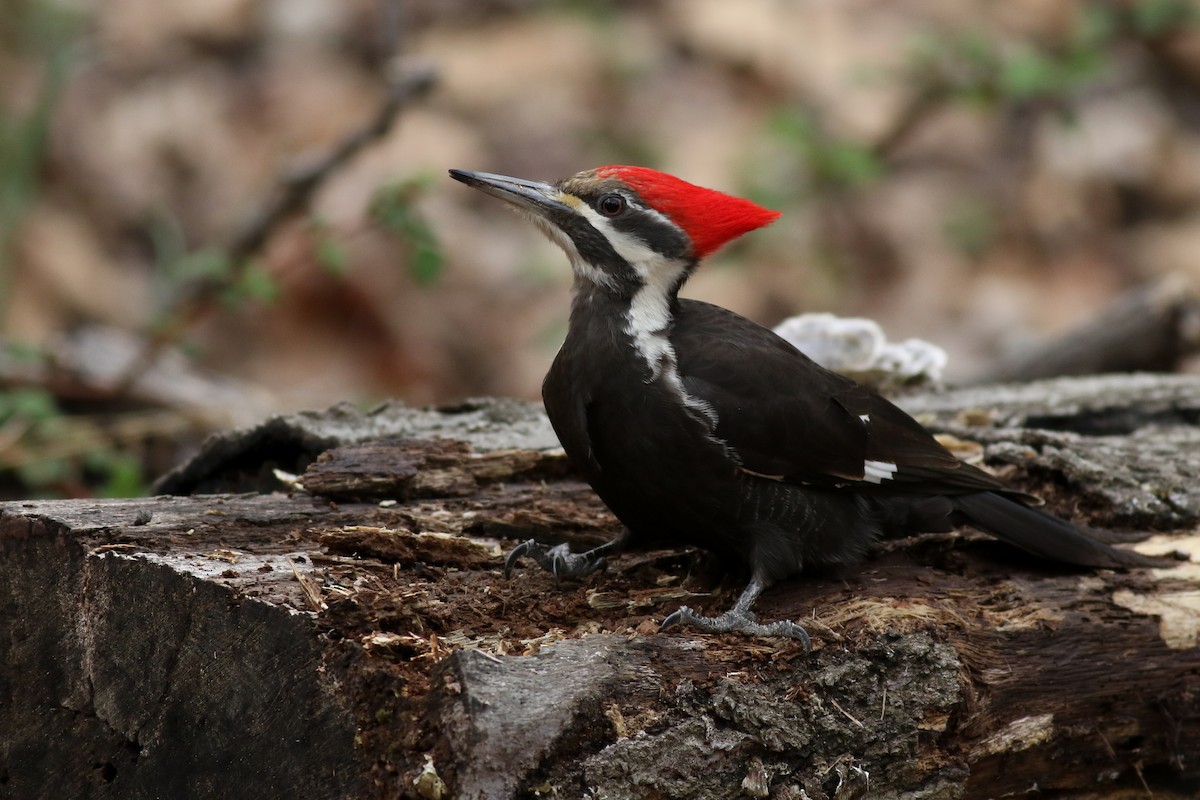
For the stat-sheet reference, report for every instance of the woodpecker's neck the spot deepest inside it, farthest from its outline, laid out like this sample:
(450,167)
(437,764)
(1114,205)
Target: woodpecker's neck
(649,317)
(642,306)
(636,333)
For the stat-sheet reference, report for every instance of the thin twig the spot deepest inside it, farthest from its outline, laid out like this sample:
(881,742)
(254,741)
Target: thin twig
(299,183)
(292,194)
(914,113)
(849,716)
(1137,767)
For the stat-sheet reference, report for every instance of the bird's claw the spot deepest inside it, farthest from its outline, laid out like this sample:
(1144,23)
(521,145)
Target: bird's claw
(737,622)
(559,561)
(530,546)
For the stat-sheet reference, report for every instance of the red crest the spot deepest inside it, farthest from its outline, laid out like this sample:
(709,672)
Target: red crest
(709,217)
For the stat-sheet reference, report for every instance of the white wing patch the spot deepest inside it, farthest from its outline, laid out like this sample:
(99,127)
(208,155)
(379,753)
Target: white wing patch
(865,418)
(878,471)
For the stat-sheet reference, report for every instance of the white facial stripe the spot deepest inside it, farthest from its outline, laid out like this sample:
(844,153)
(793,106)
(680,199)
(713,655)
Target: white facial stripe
(579,265)
(878,471)
(637,253)
(650,309)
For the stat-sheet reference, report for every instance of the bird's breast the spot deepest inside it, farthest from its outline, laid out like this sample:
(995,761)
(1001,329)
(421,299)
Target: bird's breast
(646,446)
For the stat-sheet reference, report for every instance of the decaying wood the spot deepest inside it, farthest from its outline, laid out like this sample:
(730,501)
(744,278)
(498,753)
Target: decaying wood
(244,460)
(361,642)
(1125,448)
(408,469)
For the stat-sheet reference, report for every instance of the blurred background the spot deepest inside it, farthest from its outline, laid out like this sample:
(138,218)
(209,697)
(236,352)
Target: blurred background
(212,211)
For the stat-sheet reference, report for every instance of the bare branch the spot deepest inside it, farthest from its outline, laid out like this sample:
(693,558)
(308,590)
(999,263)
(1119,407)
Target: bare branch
(292,194)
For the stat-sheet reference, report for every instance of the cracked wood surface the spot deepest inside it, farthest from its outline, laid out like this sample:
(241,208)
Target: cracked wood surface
(362,643)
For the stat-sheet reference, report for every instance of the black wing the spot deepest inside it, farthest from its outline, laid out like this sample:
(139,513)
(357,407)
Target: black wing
(788,417)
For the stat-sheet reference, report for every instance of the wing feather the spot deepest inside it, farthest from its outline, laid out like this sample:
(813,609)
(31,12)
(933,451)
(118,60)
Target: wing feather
(784,415)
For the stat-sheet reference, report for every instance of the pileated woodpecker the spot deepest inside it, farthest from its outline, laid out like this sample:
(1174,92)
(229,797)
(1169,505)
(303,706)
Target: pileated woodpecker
(697,426)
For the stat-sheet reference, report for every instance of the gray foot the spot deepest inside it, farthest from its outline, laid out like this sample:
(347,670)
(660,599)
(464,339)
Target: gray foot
(559,561)
(737,621)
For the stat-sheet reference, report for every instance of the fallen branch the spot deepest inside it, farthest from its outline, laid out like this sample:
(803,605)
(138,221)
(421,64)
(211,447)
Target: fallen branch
(1149,329)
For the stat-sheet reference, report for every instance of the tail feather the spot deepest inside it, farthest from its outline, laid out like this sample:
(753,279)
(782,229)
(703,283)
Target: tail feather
(1043,534)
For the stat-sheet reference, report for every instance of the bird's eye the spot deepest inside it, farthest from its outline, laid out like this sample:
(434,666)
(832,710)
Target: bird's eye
(611,205)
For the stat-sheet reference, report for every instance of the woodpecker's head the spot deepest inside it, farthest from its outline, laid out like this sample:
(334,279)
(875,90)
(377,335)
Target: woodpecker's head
(625,229)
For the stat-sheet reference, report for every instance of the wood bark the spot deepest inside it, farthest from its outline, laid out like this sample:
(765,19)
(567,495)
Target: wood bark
(348,633)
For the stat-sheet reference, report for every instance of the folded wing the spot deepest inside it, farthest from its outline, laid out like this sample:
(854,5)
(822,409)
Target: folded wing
(786,417)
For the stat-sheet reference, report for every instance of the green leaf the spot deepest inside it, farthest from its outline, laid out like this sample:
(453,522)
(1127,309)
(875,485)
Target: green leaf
(798,128)
(45,473)
(257,284)
(1028,74)
(850,164)
(206,264)
(392,208)
(121,473)
(1097,27)
(331,255)
(840,163)
(1160,17)
(424,254)
(24,352)
(426,266)
(33,405)
(328,248)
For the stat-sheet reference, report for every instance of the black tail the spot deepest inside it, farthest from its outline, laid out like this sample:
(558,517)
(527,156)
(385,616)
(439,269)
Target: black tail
(1043,534)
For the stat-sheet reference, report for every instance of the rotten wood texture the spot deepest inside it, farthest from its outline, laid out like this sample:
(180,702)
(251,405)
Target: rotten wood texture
(1122,450)
(282,645)
(246,460)
(409,469)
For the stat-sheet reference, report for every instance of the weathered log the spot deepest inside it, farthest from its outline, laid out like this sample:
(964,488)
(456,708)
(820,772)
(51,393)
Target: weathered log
(1154,327)
(364,644)
(244,460)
